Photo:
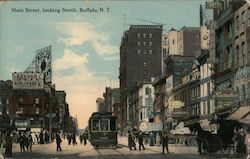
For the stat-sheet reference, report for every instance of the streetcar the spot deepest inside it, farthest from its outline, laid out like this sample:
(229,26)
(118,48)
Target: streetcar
(103,129)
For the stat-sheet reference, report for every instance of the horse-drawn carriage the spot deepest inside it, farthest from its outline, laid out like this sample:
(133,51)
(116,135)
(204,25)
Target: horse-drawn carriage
(225,141)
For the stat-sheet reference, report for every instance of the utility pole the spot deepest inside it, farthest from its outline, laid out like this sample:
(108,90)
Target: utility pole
(162,119)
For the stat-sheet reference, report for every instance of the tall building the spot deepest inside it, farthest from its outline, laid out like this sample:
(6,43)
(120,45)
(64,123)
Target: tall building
(111,96)
(140,59)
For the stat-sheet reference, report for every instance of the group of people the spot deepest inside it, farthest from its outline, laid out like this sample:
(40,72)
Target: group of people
(71,137)
(139,137)
(83,138)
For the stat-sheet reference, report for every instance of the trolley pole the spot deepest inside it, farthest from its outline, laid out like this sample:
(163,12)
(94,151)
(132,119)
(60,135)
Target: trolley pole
(162,119)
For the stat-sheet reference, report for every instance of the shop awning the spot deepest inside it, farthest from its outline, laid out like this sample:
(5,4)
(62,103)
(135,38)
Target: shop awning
(239,113)
(246,119)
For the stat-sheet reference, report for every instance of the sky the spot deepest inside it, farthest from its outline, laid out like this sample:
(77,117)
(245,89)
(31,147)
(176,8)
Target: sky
(85,45)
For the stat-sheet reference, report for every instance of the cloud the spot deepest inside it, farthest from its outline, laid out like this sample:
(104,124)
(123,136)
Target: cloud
(77,33)
(82,86)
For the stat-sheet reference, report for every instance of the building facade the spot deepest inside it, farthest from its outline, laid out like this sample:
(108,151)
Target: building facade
(140,59)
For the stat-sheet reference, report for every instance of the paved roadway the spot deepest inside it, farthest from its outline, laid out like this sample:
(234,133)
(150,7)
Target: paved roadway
(121,152)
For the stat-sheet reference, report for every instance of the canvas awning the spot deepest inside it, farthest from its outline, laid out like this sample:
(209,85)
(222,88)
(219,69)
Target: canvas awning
(246,119)
(239,113)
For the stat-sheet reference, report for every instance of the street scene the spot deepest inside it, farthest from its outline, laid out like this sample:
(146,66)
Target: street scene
(125,79)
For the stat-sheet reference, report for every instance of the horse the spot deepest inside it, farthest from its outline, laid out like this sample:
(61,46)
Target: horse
(207,142)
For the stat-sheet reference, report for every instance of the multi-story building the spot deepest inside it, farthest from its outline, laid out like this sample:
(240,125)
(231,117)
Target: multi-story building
(140,104)
(6,113)
(140,59)
(62,109)
(226,57)
(111,96)
(242,54)
(30,108)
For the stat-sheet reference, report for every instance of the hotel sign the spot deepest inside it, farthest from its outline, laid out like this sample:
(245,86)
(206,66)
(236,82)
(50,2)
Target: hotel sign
(23,80)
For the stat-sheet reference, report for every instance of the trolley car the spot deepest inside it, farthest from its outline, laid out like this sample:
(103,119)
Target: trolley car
(103,129)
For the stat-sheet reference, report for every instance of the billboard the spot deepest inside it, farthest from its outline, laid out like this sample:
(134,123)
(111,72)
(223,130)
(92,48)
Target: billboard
(205,38)
(43,63)
(23,80)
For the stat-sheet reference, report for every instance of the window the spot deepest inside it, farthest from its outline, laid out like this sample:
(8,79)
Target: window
(1,101)
(104,125)
(148,91)
(237,55)
(243,53)
(144,43)
(7,101)
(150,43)
(138,43)
(150,35)
(37,111)
(36,100)
(144,64)
(173,41)
(144,35)
(138,51)
(144,51)
(208,88)
(95,125)
(150,51)
(243,17)
(138,35)
(20,100)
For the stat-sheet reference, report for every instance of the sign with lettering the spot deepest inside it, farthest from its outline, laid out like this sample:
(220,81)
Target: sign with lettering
(23,80)
(205,37)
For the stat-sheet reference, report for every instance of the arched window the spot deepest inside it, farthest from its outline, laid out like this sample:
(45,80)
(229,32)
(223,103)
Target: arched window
(243,53)
(237,56)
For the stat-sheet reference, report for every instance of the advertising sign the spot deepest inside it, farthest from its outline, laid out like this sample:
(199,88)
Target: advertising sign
(169,84)
(23,80)
(205,38)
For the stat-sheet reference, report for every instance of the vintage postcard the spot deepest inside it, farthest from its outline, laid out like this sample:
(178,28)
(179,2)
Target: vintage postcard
(124,79)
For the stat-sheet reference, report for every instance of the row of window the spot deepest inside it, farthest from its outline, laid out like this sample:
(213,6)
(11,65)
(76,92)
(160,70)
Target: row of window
(144,51)
(144,35)
(6,101)
(150,43)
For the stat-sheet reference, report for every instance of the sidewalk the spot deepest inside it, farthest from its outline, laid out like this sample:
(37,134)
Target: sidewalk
(1,153)
(172,147)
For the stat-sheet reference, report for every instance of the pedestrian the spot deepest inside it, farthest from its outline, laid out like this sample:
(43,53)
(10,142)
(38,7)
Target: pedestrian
(22,141)
(29,144)
(74,139)
(165,141)
(41,138)
(58,142)
(140,140)
(8,149)
(85,137)
(81,138)
(131,141)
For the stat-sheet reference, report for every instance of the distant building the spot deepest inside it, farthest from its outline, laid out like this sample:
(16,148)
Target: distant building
(140,59)
(101,107)
(111,96)
(184,42)
(62,109)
